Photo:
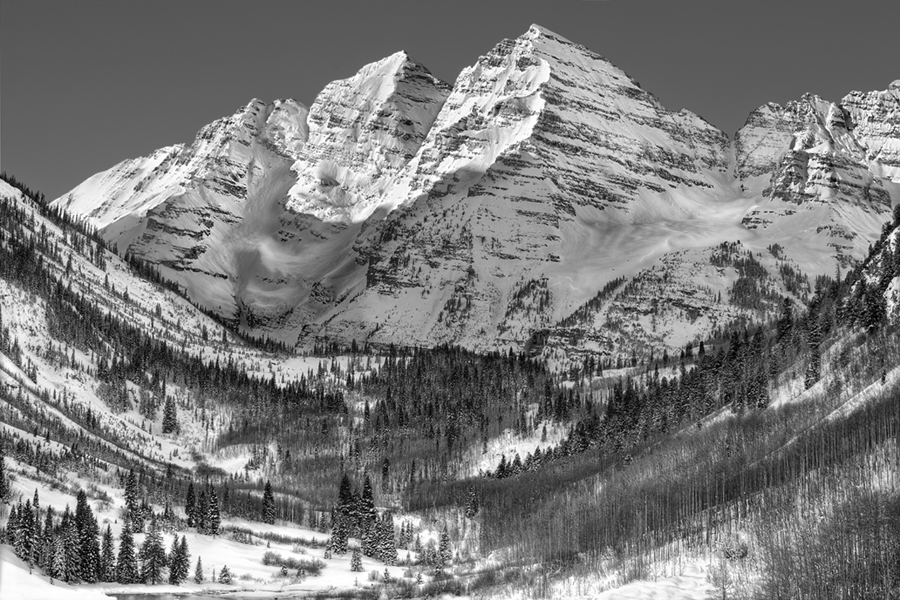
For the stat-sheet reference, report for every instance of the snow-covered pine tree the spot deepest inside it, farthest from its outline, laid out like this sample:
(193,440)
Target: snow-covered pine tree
(47,541)
(183,564)
(198,571)
(225,575)
(387,543)
(153,556)
(69,532)
(107,557)
(200,512)
(370,539)
(126,562)
(356,561)
(58,562)
(88,547)
(131,502)
(173,551)
(445,552)
(268,506)
(213,518)
(368,514)
(22,531)
(4,482)
(170,416)
(179,561)
(190,506)
(12,527)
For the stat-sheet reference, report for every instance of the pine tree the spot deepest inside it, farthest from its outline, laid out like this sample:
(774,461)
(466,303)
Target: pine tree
(179,561)
(131,502)
(445,553)
(107,557)
(88,548)
(198,571)
(387,544)
(153,556)
(71,541)
(225,576)
(268,515)
(472,503)
(367,509)
(170,416)
(370,540)
(385,476)
(812,368)
(4,482)
(48,541)
(339,533)
(213,519)
(190,505)
(172,555)
(200,512)
(126,563)
(356,561)
(184,559)
(58,562)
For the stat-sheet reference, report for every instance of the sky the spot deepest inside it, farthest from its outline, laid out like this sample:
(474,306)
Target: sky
(85,84)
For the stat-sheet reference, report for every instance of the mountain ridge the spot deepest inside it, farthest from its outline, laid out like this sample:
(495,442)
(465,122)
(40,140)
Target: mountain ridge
(400,209)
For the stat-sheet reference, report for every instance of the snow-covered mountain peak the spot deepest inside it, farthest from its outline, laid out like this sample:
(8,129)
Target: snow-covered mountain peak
(397,209)
(362,131)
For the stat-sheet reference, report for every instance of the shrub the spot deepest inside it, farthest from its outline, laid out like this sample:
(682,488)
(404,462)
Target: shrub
(312,566)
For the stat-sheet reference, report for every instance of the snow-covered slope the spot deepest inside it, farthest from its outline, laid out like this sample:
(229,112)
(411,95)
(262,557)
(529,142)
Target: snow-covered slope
(362,132)
(400,210)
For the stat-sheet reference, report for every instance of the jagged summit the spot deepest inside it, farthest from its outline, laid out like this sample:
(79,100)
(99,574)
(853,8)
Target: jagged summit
(398,208)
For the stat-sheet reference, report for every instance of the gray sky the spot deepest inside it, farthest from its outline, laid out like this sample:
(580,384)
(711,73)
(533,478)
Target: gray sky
(86,84)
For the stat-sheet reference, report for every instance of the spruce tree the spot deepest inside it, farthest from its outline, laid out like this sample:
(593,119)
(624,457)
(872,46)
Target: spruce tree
(472,502)
(198,571)
(88,547)
(190,506)
(225,575)
(153,556)
(58,562)
(48,541)
(72,545)
(268,507)
(387,544)
(356,561)
(4,482)
(179,561)
(370,540)
(107,557)
(367,510)
(132,507)
(184,560)
(200,512)
(126,563)
(213,519)
(173,551)
(170,416)
(444,551)
(339,533)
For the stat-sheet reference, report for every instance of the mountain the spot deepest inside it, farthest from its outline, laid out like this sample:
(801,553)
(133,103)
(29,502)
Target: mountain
(545,195)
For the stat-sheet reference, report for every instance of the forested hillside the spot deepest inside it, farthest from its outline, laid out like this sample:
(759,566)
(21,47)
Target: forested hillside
(768,452)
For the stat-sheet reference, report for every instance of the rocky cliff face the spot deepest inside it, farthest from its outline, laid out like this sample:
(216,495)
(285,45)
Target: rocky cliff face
(362,132)
(401,210)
